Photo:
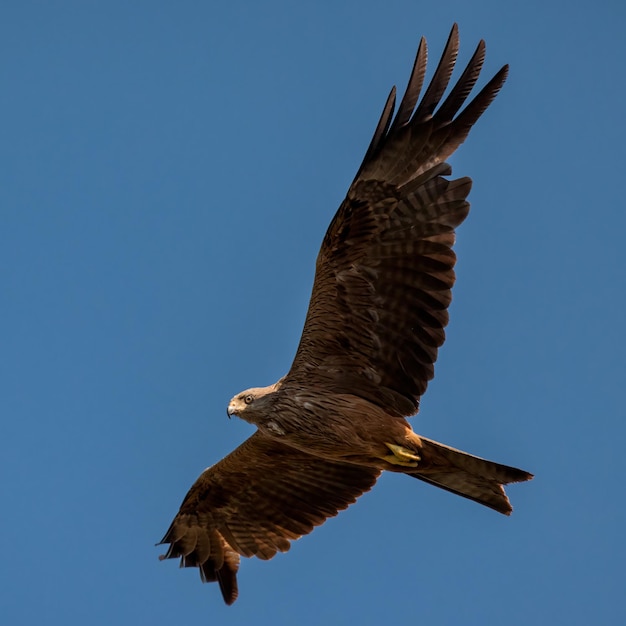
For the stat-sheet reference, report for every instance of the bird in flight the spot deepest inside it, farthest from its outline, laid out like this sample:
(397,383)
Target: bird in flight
(376,319)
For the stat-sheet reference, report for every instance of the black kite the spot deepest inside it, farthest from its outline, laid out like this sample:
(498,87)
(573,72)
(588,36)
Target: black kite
(375,322)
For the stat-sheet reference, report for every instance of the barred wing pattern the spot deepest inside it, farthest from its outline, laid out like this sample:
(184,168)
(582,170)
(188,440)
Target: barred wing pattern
(386,267)
(254,502)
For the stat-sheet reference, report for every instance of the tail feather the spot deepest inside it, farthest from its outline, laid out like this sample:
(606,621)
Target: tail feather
(467,475)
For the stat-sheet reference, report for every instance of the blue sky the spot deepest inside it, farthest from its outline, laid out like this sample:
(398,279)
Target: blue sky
(167,172)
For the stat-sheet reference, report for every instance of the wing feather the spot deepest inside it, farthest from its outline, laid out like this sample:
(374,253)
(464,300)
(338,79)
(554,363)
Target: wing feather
(385,270)
(413,88)
(441,78)
(254,502)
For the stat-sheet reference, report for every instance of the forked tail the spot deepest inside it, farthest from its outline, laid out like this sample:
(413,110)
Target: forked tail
(467,475)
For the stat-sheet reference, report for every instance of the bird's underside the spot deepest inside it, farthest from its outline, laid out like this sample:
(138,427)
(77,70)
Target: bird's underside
(375,323)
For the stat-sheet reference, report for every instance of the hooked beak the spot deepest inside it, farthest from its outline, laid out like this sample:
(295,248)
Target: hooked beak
(230,411)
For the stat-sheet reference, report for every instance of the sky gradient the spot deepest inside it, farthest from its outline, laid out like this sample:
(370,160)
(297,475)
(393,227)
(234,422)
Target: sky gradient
(168,171)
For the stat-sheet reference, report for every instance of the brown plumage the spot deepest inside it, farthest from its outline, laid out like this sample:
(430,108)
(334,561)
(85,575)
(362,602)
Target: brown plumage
(375,322)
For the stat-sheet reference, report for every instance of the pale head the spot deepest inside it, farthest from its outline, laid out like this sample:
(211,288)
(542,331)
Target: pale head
(252,404)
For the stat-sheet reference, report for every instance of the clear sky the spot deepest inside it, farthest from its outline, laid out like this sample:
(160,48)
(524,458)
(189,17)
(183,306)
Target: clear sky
(167,172)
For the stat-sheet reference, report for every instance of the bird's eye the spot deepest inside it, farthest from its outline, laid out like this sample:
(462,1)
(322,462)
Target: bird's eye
(248,399)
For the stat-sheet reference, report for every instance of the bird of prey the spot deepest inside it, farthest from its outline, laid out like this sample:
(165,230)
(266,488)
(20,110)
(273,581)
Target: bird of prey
(376,319)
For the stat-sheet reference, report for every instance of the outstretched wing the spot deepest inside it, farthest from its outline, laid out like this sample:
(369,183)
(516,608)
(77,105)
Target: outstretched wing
(386,267)
(254,502)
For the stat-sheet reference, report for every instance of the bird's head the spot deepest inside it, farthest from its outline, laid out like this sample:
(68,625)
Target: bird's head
(251,405)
